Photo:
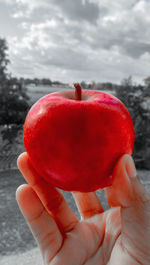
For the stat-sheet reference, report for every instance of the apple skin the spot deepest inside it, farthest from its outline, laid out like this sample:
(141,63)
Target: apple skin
(74,144)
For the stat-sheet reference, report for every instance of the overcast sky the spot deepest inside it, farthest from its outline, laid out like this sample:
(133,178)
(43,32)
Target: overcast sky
(75,40)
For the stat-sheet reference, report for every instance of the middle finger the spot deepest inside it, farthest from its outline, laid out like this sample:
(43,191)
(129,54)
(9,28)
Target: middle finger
(88,204)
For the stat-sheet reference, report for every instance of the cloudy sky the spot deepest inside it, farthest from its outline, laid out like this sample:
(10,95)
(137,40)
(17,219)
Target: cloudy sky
(75,40)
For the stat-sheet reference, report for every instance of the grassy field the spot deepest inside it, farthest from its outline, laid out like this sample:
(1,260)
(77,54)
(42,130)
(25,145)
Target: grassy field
(15,236)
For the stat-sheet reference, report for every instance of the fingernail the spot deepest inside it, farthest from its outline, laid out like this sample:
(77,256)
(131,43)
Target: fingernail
(130,167)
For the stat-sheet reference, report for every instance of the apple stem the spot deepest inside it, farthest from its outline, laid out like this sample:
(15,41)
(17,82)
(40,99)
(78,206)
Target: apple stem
(78,91)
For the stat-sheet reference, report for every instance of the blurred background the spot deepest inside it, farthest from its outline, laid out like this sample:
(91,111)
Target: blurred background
(45,46)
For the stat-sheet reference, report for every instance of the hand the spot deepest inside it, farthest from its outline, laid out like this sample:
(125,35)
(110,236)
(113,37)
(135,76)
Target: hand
(120,235)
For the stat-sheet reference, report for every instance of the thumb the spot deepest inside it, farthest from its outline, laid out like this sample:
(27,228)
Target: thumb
(126,190)
(130,194)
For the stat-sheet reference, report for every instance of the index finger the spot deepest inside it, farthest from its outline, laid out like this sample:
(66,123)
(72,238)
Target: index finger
(51,198)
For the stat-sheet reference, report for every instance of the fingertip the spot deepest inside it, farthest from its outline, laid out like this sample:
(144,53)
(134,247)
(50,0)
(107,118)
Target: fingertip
(28,201)
(25,167)
(24,197)
(21,158)
(121,163)
(22,191)
(130,167)
(124,169)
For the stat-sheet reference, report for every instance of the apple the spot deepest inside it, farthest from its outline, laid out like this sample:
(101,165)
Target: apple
(74,138)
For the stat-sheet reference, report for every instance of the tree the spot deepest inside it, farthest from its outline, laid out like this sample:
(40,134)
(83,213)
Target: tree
(147,81)
(84,85)
(127,82)
(134,99)
(3,60)
(147,86)
(13,99)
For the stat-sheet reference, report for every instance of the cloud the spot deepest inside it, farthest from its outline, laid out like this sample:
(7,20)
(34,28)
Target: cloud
(79,10)
(91,39)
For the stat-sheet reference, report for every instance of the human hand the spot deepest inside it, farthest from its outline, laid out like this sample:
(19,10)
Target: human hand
(120,235)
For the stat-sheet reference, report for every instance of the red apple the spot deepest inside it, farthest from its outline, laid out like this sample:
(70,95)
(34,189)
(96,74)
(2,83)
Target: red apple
(74,138)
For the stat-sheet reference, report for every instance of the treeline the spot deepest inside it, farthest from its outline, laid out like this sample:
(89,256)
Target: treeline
(36,81)
(99,86)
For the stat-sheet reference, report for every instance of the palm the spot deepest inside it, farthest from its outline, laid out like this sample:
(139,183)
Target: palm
(98,240)
(93,240)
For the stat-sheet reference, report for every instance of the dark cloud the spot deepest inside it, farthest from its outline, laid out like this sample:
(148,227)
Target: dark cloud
(135,48)
(76,10)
